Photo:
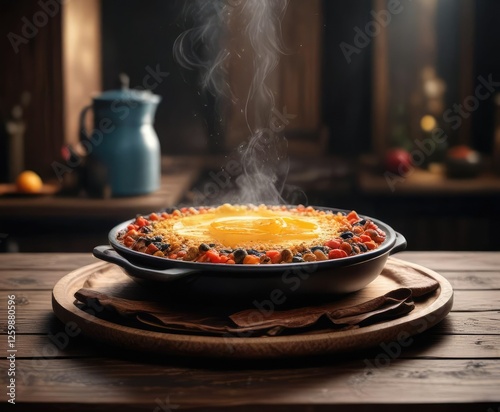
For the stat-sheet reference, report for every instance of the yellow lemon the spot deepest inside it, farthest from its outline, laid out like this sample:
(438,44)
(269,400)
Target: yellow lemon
(29,182)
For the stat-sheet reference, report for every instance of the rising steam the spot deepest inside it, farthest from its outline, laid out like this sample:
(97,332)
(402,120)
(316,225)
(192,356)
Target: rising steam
(206,47)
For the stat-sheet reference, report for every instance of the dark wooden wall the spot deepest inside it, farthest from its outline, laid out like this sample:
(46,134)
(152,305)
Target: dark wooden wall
(35,68)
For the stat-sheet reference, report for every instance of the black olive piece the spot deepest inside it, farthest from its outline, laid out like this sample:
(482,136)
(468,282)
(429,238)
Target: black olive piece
(146,229)
(322,248)
(346,235)
(146,240)
(362,222)
(239,255)
(226,251)
(156,239)
(362,247)
(162,246)
(297,259)
(253,252)
(298,254)
(212,245)
(204,247)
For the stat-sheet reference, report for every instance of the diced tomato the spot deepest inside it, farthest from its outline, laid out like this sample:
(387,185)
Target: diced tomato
(336,253)
(371,245)
(151,249)
(365,238)
(132,227)
(275,255)
(353,217)
(128,241)
(223,259)
(154,216)
(357,230)
(213,256)
(333,244)
(140,221)
(251,260)
(230,262)
(181,253)
(165,215)
(132,233)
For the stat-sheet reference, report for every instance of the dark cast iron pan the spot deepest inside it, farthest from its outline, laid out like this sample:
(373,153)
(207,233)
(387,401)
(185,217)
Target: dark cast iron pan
(337,276)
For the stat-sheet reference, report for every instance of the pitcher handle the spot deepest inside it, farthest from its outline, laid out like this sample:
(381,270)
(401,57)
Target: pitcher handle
(83,130)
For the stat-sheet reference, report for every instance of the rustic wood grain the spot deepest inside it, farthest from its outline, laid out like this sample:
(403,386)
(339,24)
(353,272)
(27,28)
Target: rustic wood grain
(473,280)
(361,381)
(33,279)
(453,366)
(476,300)
(454,261)
(469,323)
(427,345)
(44,261)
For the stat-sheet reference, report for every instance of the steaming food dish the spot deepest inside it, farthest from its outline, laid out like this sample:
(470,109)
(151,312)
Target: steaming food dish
(248,234)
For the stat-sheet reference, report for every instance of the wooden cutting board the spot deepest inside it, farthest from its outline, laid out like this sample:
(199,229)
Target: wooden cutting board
(110,279)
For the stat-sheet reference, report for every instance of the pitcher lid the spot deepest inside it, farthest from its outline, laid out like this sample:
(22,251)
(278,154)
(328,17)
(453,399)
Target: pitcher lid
(125,93)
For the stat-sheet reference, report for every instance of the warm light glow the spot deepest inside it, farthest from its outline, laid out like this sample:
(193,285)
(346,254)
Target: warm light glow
(428,123)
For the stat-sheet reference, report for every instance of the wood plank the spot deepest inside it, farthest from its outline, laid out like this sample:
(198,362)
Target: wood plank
(476,300)
(44,261)
(326,382)
(427,345)
(454,261)
(430,345)
(473,280)
(19,279)
(161,405)
(57,344)
(469,323)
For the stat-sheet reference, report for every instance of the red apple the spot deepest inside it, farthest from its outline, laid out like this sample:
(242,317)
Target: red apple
(397,161)
(460,152)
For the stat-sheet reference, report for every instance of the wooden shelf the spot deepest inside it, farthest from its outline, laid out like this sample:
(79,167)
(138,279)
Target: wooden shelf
(423,182)
(179,174)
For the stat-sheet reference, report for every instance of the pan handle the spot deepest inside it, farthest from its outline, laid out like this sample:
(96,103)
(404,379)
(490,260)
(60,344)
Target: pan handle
(108,254)
(400,244)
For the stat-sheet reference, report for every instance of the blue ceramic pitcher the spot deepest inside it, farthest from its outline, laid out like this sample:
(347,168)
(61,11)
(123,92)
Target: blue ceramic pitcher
(123,148)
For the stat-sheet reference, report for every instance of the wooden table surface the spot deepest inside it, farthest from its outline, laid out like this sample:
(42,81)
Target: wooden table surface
(453,366)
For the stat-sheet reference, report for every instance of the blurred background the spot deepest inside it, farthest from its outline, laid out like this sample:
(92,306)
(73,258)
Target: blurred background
(396,105)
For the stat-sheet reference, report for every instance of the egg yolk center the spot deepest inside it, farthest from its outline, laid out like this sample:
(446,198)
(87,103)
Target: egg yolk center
(233,229)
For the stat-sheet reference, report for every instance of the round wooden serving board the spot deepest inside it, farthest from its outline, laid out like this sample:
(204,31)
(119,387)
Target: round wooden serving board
(425,315)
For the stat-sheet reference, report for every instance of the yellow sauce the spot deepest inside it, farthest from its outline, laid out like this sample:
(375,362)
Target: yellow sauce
(239,226)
